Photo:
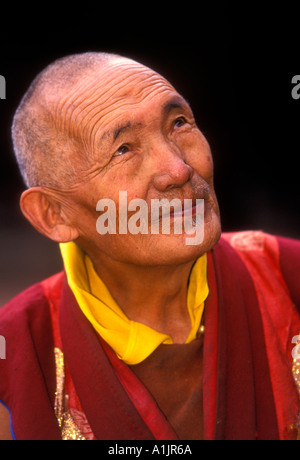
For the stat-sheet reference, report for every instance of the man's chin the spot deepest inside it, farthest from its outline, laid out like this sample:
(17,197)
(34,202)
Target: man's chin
(178,249)
(160,249)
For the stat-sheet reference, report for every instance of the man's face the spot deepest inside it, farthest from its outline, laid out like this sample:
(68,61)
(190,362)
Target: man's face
(140,137)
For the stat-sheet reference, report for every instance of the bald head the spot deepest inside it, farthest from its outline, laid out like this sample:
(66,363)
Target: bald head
(46,130)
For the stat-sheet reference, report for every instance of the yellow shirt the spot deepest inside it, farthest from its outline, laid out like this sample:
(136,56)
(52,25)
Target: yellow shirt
(132,341)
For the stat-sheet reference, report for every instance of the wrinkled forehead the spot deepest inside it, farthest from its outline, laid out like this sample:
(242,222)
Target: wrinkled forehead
(103,90)
(126,78)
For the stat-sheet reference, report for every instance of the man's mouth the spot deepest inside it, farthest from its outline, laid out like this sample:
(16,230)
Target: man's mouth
(189,208)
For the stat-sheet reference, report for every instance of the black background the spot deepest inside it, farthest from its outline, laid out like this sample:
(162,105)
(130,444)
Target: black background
(233,64)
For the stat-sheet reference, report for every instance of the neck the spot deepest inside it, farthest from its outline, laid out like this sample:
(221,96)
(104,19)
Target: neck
(155,296)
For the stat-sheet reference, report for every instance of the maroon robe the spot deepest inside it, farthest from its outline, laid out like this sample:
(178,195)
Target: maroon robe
(244,395)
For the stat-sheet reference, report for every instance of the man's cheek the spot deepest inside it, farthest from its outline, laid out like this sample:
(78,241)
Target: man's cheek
(203,165)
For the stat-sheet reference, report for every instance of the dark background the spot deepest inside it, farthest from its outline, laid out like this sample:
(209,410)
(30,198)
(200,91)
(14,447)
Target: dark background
(234,66)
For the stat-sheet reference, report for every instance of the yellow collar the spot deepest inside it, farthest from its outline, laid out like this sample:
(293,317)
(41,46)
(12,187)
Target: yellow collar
(132,341)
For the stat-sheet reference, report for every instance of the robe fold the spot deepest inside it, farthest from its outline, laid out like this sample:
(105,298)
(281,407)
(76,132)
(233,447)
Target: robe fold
(252,314)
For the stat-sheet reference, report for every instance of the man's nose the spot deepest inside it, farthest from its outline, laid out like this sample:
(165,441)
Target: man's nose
(169,167)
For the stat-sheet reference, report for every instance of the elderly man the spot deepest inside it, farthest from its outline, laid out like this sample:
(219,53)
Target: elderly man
(143,336)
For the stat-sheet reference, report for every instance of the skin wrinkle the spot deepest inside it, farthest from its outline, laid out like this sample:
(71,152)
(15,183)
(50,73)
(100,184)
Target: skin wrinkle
(63,104)
(97,169)
(90,128)
(121,98)
(88,86)
(114,119)
(178,151)
(87,174)
(84,113)
(71,104)
(92,132)
(58,84)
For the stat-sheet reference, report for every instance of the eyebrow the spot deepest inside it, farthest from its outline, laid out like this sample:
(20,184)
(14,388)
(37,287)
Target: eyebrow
(120,129)
(177,102)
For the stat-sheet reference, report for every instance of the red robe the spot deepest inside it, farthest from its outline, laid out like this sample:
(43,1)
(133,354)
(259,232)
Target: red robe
(251,317)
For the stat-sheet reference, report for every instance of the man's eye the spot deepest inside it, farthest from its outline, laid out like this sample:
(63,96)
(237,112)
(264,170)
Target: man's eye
(121,150)
(180,121)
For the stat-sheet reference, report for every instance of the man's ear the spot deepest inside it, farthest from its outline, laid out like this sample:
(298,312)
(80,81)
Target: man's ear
(43,211)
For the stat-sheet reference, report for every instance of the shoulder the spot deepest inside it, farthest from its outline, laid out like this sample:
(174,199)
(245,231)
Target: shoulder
(250,240)
(29,307)
(290,265)
(253,253)
(258,244)
(27,362)
(274,256)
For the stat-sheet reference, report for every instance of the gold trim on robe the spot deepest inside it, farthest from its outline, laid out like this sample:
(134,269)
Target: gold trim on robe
(69,429)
